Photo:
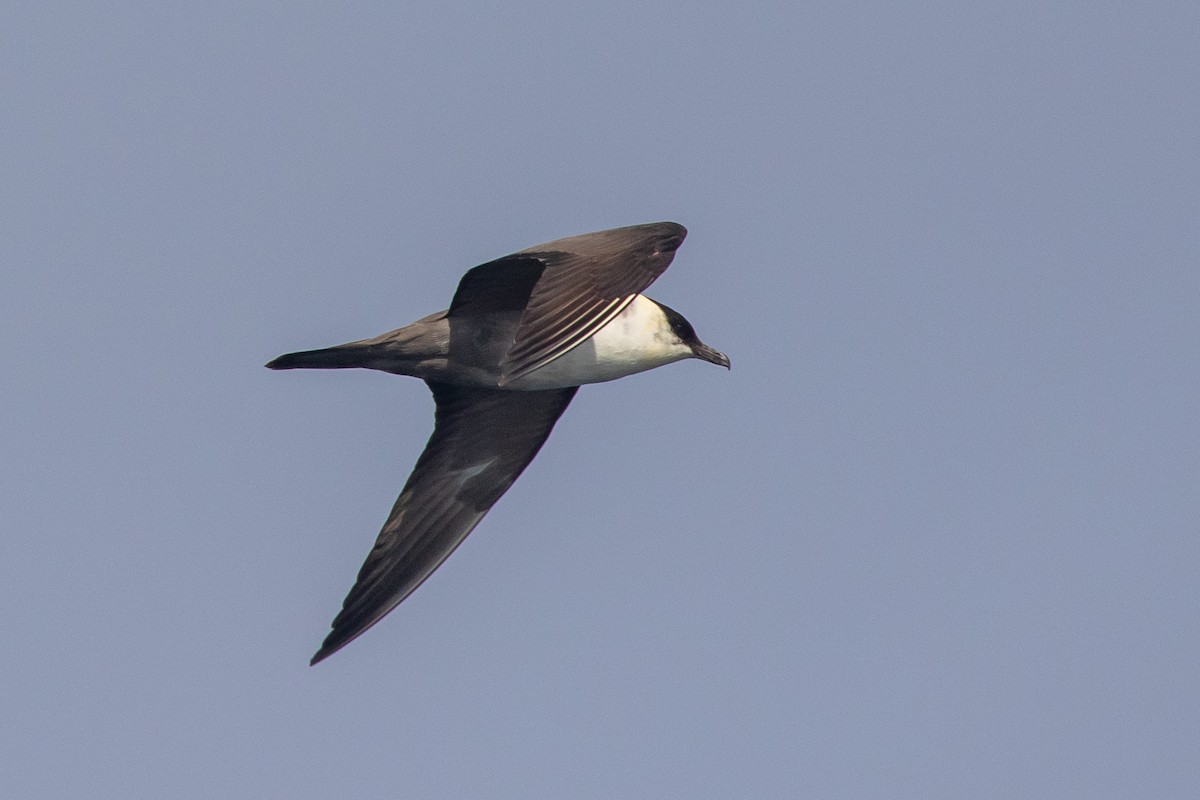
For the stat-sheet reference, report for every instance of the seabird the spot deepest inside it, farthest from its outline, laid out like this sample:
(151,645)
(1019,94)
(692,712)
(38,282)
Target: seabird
(521,335)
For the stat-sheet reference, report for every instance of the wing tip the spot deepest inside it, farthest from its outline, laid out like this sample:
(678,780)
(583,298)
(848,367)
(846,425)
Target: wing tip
(321,655)
(333,642)
(674,231)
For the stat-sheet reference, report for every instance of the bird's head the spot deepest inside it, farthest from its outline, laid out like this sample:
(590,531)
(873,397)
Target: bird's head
(683,331)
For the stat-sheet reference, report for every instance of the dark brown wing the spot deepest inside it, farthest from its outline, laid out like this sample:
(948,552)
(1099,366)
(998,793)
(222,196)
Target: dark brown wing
(482,440)
(568,288)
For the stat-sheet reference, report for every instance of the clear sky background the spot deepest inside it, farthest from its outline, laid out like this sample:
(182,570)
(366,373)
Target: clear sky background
(937,533)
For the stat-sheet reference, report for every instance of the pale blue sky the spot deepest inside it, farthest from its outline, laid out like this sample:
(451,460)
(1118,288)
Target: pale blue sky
(937,534)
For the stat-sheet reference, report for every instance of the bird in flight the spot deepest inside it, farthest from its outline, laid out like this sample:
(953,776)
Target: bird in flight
(521,335)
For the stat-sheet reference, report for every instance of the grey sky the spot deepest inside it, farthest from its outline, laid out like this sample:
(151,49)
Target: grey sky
(935,535)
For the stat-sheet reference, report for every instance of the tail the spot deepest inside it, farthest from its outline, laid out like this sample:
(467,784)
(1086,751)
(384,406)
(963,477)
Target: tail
(400,352)
(344,356)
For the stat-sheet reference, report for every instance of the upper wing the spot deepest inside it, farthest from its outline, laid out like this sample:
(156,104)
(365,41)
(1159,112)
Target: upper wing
(568,289)
(482,440)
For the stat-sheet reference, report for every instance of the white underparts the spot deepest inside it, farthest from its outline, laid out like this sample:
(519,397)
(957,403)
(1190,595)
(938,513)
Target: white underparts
(637,339)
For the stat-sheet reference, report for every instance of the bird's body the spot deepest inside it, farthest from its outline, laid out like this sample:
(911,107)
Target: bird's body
(636,339)
(521,335)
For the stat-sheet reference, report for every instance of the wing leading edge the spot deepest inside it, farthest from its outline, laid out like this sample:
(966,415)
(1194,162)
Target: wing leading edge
(482,440)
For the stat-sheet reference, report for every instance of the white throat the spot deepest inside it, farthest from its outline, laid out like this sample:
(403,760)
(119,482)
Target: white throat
(637,339)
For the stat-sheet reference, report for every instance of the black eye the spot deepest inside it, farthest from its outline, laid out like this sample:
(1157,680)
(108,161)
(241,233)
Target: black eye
(682,328)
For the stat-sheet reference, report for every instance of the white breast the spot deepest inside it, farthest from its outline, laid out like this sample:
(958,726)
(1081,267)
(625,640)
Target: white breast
(637,339)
